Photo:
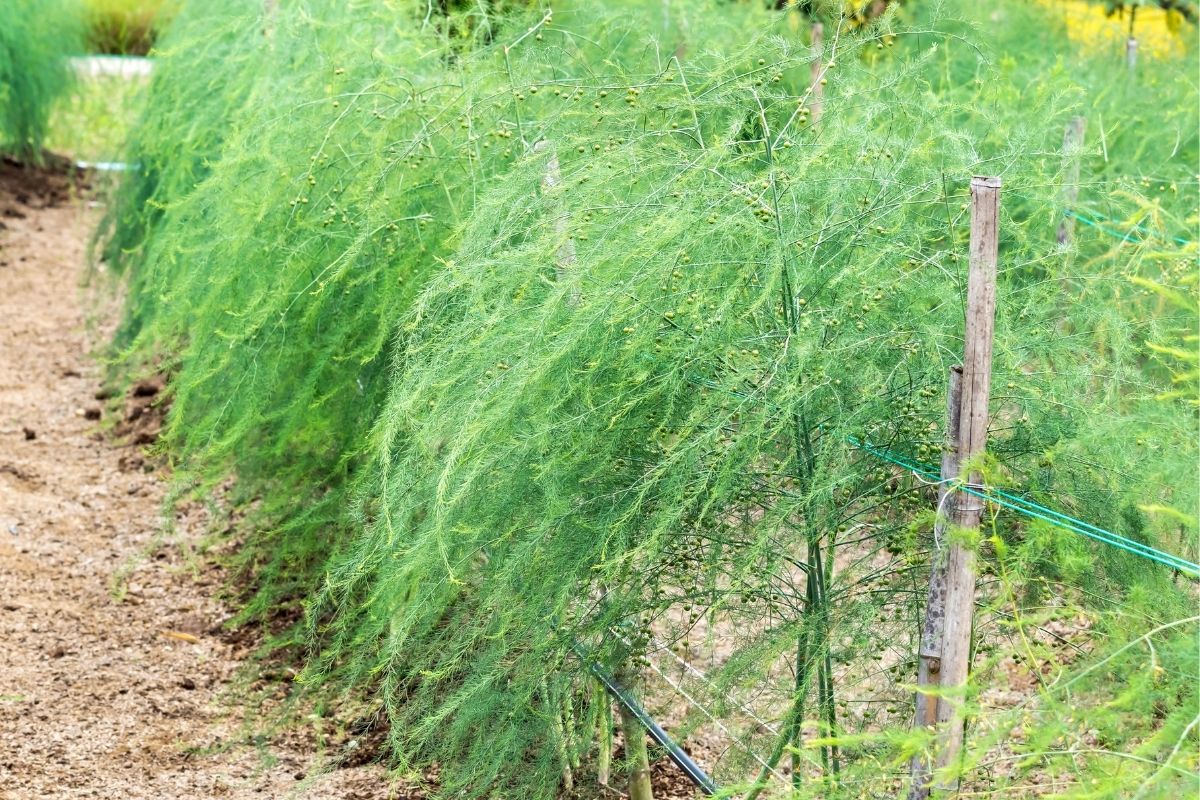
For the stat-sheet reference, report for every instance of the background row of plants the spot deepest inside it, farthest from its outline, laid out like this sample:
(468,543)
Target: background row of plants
(522,333)
(44,101)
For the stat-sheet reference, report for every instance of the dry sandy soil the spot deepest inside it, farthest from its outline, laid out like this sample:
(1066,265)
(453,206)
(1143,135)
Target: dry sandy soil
(102,693)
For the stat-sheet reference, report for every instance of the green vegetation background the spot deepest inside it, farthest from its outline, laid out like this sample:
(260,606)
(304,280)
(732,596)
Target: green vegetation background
(472,419)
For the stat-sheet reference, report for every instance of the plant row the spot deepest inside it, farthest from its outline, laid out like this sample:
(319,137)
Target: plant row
(524,332)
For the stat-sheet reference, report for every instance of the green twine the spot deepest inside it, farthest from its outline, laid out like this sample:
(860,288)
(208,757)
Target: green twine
(1021,505)
(1037,511)
(1125,237)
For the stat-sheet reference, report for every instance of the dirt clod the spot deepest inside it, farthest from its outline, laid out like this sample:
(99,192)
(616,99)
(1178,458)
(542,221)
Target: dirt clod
(148,387)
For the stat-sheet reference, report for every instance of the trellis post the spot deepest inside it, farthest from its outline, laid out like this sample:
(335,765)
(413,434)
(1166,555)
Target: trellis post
(1072,149)
(565,257)
(929,658)
(1131,53)
(817,68)
(635,738)
(269,7)
(954,591)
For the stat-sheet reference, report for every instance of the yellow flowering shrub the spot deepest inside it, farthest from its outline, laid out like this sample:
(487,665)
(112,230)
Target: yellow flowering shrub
(1160,33)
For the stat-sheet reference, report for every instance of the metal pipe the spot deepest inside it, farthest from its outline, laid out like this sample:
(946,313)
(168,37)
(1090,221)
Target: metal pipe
(682,760)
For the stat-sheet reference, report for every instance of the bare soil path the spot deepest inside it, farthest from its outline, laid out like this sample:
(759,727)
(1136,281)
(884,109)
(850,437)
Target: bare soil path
(104,695)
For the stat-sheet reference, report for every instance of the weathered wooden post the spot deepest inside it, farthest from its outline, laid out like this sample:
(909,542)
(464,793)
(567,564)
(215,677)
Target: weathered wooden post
(1131,50)
(1072,150)
(972,439)
(565,257)
(929,661)
(953,593)
(269,7)
(635,737)
(817,68)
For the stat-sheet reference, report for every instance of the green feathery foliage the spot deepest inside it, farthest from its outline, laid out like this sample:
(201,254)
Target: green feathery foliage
(352,172)
(521,334)
(656,434)
(36,36)
(203,73)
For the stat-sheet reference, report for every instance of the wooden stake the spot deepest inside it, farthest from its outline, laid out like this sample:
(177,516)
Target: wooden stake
(929,662)
(269,7)
(972,438)
(1072,147)
(565,257)
(564,260)
(1131,48)
(817,95)
(966,510)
